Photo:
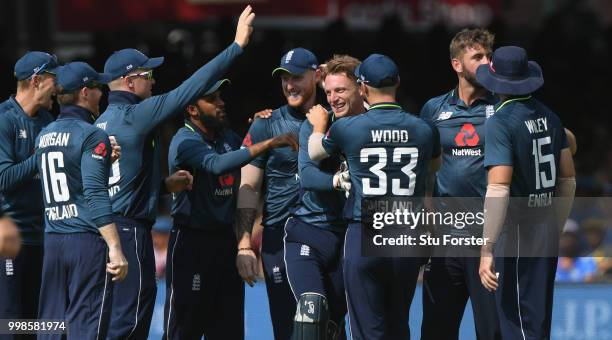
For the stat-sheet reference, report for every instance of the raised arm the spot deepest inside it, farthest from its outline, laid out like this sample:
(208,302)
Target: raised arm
(152,111)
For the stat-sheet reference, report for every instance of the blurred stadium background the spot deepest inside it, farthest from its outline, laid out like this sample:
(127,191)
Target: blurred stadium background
(571,39)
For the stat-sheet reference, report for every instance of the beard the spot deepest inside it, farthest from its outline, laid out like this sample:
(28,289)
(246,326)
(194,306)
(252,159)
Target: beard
(471,78)
(209,122)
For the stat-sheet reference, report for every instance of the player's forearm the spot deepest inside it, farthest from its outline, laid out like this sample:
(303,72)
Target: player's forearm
(261,147)
(564,199)
(495,207)
(316,151)
(110,236)
(218,164)
(312,178)
(13,175)
(243,224)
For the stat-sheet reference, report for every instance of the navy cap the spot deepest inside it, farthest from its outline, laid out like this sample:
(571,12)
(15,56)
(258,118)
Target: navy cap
(377,70)
(76,75)
(297,61)
(510,72)
(35,62)
(127,60)
(216,87)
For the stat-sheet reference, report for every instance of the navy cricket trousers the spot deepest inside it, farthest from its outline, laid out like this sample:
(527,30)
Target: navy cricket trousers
(379,291)
(20,287)
(280,298)
(449,280)
(75,285)
(134,297)
(525,296)
(313,258)
(204,292)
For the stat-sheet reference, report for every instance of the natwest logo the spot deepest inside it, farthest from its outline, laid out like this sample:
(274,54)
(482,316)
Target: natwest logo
(467,136)
(226,180)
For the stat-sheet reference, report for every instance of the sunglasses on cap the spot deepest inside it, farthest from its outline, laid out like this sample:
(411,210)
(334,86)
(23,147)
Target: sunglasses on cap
(148,75)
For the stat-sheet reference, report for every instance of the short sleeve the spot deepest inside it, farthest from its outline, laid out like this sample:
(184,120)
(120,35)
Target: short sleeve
(331,141)
(437,148)
(258,132)
(427,111)
(498,146)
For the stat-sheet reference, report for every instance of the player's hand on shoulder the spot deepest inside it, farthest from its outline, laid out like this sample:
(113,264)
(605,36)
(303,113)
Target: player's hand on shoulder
(179,181)
(244,27)
(117,265)
(116,154)
(318,117)
(264,114)
(10,240)
(287,139)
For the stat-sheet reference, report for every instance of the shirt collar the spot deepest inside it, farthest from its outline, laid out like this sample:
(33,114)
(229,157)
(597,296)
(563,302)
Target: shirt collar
(123,97)
(386,106)
(454,99)
(19,109)
(295,113)
(196,129)
(16,105)
(75,111)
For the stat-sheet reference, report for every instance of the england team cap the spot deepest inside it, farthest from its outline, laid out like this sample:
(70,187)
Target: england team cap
(297,61)
(35,62)
(78,74)
(127,60)
(377,70)
(216,86)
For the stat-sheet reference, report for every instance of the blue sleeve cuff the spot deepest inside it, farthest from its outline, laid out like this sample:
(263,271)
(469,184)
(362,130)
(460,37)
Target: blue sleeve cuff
(103,221)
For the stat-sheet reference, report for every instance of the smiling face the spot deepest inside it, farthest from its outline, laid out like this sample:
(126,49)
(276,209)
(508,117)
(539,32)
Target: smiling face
(343,95)
(299,90)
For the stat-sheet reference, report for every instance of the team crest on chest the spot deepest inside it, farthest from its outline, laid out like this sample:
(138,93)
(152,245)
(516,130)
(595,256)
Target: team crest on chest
(489,110)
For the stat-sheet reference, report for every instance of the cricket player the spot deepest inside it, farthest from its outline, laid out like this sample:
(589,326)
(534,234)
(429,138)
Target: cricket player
(314,235)
(81,242)
(528,158)
(278,169)
(379,290)
(451,277)
(22,117)
(133,117)
(205,294)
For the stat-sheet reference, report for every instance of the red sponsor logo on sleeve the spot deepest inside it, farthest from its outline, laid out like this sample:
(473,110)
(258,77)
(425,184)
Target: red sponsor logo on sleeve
(247,140)
(100,149)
